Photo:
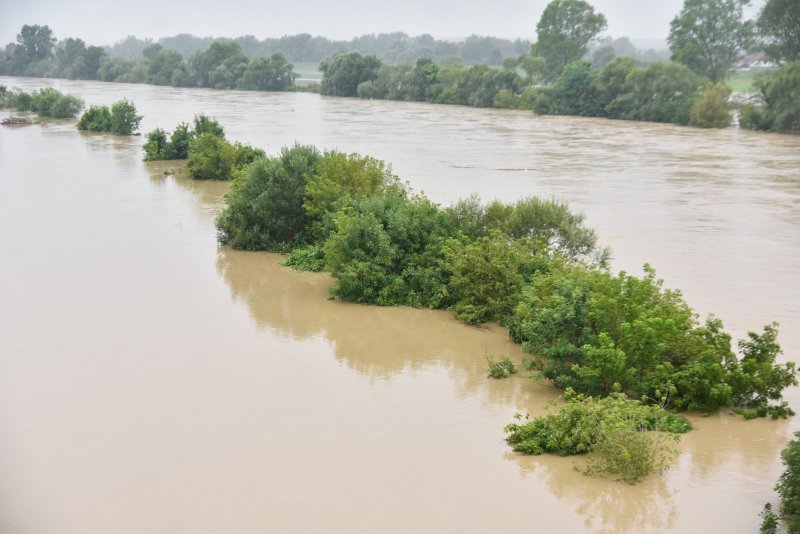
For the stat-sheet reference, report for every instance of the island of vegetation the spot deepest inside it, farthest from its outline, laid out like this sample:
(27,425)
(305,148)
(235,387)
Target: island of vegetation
(627,352)
(569,70)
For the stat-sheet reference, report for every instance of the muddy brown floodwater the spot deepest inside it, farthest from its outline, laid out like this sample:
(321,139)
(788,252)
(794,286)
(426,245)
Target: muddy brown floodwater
(151,382)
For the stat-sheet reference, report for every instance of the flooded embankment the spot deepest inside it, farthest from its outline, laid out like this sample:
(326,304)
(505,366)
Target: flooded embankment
(153,382)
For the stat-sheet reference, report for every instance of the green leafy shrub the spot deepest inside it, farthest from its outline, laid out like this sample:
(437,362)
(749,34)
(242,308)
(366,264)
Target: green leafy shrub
(96,119)
(124,120)
(160,145)
(213,158)
(47,102)
(780,107)
(595,332)
(264,208)
(788,486)
(306,258)
(711,109)
(487,276)
(121,119)
(612,429)
(501,368)
(769,520)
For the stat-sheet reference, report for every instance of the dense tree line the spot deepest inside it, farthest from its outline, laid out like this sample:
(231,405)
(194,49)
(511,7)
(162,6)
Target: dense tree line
(392,47)
(569,70)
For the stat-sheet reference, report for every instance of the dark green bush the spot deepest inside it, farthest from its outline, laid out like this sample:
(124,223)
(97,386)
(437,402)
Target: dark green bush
(124,120)
(501,368)
(96,119)
(264,208)
(213,158)
(788,486)
(613,430)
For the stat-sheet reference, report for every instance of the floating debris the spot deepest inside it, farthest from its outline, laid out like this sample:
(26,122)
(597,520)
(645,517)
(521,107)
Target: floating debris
(16,121)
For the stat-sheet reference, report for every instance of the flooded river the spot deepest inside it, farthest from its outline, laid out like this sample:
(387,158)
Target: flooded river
(151,382)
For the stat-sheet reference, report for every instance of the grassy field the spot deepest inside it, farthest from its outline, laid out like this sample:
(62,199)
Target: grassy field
(742,80)
(307,70)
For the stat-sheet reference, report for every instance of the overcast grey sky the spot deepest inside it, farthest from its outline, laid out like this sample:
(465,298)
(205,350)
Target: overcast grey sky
(107,21)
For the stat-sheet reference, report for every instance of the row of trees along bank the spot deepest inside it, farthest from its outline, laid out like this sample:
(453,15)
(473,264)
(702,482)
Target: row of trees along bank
(557,76)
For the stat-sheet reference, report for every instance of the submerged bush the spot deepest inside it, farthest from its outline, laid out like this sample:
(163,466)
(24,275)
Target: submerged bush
(264,208)
(595,332)
(160,145)
(788,486)
(96,119)
(501,368)
(124,120)
(47,102)
(121,119)
(213,158)
(613,430)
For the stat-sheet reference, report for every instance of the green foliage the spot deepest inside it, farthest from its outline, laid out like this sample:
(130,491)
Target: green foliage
(96,119)
(612,430)
(162,64)
(780,93)
(788,486)
(662,92)
(345,71)
(769,520)
(160,145)
(502,368)
(157,145)
(264,208)
(757,380)
(488,275)
(220,66)
(597,333)
(574,93)
(779,27)
(712,110)
(709,35)
(203,124)
(306,258)
(35,43)
(564,32)
(213,158)
(124,120)
(386,250)
(341,180)
(46,102)
(272,73)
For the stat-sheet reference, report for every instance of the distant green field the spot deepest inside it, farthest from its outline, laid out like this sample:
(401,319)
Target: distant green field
(742,80)
(307,70)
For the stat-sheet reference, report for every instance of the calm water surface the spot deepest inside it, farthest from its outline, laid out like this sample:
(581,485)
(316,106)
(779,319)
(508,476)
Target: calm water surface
(151,382)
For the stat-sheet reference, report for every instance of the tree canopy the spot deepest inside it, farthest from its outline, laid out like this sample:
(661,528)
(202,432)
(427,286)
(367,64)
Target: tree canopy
(779,27)
(564,32)
(709,35)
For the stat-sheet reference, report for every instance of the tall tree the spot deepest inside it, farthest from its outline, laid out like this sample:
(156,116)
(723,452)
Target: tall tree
(779,27)
(36,41)
(564,32)
(709,35)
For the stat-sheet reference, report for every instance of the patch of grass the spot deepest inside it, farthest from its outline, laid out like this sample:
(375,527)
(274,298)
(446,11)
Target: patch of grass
(308,70)
(742,80)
